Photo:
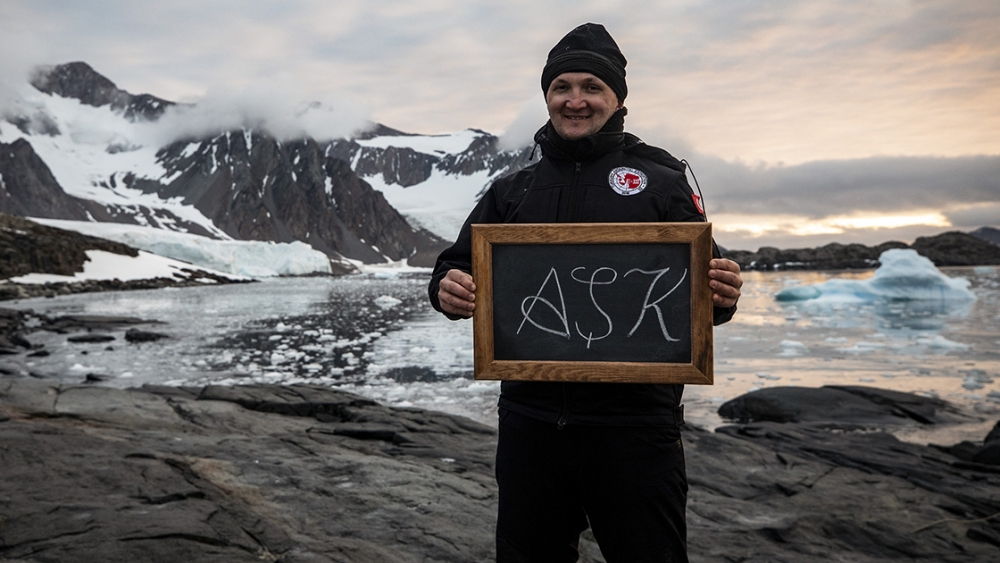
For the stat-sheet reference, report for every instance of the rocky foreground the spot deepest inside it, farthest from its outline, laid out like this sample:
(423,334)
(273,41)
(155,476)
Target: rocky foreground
(310,474)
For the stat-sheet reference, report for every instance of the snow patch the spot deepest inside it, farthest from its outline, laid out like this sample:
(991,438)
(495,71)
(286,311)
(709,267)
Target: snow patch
(102,265)
(254,259)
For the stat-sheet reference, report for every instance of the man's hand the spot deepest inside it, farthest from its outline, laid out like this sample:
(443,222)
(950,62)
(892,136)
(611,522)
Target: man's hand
(725,281)
(455,293)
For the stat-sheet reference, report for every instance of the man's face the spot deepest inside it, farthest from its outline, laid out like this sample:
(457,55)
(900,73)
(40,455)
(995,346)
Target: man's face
(579,104)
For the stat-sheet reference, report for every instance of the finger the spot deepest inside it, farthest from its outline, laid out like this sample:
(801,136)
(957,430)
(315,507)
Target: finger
(461,278)
(727,278)
(724,264)
(455,305)
(720,301)
(725,290)
(457,289)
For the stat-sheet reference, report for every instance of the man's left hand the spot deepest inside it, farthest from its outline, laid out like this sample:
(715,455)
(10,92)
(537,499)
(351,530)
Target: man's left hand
(725,281)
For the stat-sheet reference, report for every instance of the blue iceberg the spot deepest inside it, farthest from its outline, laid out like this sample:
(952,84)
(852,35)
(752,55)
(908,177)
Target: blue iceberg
(903,276)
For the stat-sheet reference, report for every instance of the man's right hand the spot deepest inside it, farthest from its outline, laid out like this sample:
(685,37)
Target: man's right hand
(456,293)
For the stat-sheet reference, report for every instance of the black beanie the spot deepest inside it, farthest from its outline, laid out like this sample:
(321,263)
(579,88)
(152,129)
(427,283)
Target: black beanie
(588,48)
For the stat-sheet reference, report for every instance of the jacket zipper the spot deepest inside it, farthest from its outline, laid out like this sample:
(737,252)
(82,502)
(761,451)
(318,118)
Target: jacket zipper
(561,423)
(575,196)
(575,211)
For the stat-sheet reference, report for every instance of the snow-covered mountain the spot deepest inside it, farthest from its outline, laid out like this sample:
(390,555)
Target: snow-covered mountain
(76,147)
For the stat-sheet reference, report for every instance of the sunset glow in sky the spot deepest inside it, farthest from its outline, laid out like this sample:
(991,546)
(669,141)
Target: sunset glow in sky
(806,121)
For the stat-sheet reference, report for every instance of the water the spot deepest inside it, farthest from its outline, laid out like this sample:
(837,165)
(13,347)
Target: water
(377,336)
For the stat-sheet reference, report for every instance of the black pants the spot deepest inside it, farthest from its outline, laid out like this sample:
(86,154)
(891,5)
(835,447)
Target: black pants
(629,484)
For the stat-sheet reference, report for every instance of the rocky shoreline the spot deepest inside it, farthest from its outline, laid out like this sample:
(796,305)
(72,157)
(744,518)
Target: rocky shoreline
(313,474)
(947,249)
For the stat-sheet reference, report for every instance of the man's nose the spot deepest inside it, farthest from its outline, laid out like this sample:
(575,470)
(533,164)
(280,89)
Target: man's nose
(576,101)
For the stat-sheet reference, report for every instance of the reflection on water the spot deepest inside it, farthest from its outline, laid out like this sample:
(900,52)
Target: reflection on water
(350,332)
(922,347)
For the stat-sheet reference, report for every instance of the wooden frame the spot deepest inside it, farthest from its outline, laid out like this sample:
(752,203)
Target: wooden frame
(697,235)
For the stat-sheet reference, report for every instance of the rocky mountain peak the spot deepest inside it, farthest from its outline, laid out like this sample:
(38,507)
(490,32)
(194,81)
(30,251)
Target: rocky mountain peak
(80,81)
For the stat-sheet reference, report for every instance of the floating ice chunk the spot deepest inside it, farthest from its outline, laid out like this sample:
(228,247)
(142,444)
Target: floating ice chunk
(768,376)
(939,342)
(835,339)
(799,293)
(791,348)
(386,302)
(975,379)
(862,348)
(903,276)
(971,383)
(993,396)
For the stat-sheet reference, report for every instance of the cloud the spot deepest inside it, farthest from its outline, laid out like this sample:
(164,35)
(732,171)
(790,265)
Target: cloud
(985,214)
(887,185)
(20,53)
(521,132)
(773,81)
(276,109)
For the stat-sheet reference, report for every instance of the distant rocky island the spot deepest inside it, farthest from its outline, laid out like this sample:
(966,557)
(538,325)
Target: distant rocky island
(978,248)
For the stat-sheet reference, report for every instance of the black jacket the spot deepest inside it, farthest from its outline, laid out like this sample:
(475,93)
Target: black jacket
(571,184)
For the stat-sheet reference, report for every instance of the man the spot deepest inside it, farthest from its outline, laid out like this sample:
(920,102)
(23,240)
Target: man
(573,455)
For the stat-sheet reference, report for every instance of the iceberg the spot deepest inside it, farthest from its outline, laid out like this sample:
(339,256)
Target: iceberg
(903,276)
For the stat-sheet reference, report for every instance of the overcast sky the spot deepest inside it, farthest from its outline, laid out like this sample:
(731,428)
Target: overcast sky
(806,122)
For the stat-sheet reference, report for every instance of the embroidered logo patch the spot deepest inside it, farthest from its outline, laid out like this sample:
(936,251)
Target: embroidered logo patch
(627,181)
(697,203)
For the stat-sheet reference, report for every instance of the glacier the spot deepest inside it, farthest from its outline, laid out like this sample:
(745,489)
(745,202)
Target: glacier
(903,275)
(252,259)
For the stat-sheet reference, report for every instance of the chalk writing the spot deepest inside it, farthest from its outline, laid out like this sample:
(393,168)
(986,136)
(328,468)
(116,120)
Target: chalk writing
(601,276)
(538,297)
(592,282)
(655,304)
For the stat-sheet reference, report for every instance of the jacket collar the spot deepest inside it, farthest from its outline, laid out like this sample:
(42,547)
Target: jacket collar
(611,137)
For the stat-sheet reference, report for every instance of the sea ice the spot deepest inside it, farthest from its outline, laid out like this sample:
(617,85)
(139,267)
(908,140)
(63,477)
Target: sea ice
(903,276)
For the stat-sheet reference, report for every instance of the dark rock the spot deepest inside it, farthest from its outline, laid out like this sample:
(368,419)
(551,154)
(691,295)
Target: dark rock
(79,81)
(988,454)
(27,247)
(30,189)
(91,338)
(989,234)
(946,249)
(95,378)
(137,335)
(994,435)
(837,405)
(20,341)
(965,451)
(39,354)
(288,191)
(159,474)
(957,249)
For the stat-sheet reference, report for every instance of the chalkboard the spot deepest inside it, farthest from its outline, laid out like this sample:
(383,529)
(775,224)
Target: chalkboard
(612,302)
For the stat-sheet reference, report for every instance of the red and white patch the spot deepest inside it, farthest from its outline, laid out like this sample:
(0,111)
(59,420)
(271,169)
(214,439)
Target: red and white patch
(697,203)
(627,181)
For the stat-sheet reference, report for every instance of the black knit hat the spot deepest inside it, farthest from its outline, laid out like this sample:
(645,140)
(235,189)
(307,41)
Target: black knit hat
(588,48)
